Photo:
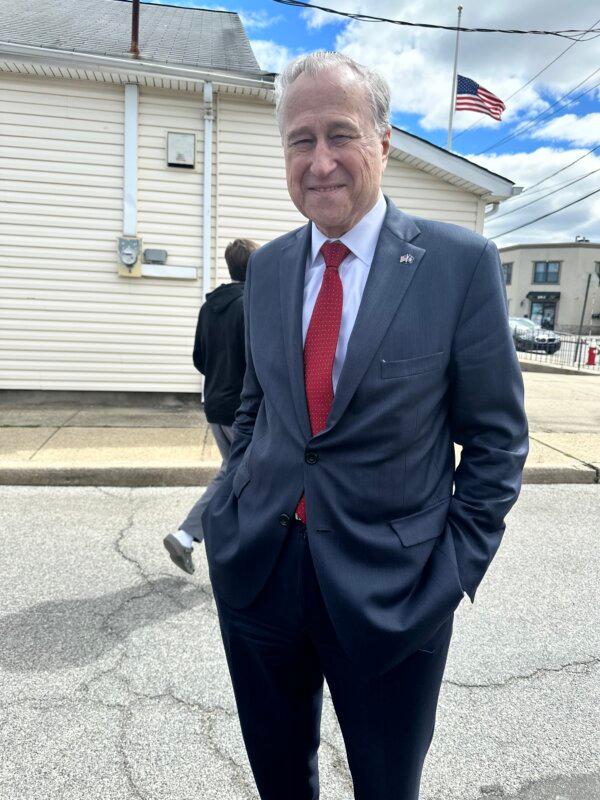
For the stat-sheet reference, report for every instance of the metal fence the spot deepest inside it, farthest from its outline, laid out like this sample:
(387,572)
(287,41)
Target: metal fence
(576,352)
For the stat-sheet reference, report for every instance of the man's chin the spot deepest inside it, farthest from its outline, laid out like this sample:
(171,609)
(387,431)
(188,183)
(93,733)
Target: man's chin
(327,219)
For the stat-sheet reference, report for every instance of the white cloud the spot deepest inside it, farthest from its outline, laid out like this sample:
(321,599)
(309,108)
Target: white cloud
(316,19)
(527,169)
(271,56)
(258,19)
(571,128)
(250,19)
(418,62)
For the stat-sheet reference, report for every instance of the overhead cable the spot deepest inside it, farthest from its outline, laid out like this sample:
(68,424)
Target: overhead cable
(568,33)
(544,196)
(544,216)
(529,123)
(562,169)
(537,74)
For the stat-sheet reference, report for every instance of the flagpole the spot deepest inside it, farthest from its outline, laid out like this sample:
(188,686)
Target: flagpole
(453,95)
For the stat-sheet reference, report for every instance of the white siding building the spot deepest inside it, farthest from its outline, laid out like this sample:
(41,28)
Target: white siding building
(70,187)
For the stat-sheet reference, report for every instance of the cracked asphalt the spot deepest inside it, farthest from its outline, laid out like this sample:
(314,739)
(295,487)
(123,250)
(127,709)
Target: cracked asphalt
(113,683)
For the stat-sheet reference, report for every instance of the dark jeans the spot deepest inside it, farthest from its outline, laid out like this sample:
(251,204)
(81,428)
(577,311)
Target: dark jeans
(279,649)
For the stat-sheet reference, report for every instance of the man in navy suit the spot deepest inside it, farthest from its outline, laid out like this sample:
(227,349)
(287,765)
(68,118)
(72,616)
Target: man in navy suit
(343,537)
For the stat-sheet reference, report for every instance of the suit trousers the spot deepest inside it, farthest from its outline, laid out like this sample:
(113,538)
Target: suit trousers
(279,649)
(192,524)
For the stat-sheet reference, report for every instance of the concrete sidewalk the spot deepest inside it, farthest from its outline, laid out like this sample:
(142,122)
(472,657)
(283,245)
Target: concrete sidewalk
(123,439)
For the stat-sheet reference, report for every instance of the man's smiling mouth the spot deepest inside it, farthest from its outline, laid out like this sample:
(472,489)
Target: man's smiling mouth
(326,189)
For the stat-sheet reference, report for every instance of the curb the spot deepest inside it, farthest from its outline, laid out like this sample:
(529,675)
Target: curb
(201,475)
(108,476)
(549,475)
(551,369)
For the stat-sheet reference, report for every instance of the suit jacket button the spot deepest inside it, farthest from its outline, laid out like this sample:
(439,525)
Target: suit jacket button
(284,520)
(311,458)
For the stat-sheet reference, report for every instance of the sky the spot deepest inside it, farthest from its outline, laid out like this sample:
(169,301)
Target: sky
(551,118)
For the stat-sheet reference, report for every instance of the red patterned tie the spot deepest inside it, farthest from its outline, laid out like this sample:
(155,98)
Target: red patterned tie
(321,343)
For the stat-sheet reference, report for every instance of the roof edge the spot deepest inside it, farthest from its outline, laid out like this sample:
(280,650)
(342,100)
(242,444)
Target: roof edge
(542,245)
(48,55)
(498,187)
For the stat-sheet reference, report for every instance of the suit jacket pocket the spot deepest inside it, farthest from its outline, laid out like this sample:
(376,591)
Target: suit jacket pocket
(423,525)
(240,479)
(411,366)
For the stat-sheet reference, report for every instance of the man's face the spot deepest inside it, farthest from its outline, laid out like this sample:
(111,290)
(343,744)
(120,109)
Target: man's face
(334,157)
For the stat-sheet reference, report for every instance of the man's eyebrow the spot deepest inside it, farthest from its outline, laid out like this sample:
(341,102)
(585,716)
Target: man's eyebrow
(344,125)
(304,131)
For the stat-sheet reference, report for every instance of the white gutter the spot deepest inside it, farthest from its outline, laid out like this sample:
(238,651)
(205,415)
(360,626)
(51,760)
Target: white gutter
(91,61)
(130,160)
(207,187)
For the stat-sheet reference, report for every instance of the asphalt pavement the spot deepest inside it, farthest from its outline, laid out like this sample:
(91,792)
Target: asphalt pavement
(113,682)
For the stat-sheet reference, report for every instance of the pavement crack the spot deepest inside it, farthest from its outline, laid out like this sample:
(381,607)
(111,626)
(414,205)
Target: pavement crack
(119,544)
(54,432)
(103,491)
(581,666)
(569,455)
(126,719)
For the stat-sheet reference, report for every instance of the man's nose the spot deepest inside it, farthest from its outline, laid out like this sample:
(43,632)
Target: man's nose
(323,161)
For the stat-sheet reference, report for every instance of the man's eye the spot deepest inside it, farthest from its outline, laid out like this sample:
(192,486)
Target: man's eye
(301,142)
(341,137)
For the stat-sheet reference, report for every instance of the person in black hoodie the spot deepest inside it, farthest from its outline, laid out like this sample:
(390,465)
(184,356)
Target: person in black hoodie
(219,355)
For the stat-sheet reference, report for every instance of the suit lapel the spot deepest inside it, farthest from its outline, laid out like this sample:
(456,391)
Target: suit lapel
(394,265)
(291,289)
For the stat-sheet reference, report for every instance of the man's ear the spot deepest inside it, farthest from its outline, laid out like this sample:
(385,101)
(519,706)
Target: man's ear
(385,146)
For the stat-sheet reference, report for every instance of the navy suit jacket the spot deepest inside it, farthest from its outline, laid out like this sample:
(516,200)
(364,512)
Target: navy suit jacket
(396,532)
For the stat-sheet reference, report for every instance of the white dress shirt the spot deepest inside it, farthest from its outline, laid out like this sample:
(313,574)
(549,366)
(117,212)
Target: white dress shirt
(354,271)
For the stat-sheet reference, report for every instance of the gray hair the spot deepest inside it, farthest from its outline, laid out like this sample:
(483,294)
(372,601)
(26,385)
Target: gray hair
(376,87)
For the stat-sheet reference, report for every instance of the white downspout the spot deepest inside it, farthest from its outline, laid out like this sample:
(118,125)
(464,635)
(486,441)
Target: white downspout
(207,189)
(130,160)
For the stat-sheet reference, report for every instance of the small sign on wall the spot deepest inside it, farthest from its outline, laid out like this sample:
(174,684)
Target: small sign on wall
(181,150)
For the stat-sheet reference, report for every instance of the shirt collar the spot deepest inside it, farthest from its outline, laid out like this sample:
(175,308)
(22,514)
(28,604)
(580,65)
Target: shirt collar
(361,239)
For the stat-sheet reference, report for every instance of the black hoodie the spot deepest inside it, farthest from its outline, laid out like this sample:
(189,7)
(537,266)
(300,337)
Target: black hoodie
(219,351)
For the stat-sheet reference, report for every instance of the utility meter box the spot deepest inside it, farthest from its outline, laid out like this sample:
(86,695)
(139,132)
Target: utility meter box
(130,256)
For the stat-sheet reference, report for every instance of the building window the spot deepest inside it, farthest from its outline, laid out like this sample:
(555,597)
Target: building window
(544,314)
(546,271)
(507,270)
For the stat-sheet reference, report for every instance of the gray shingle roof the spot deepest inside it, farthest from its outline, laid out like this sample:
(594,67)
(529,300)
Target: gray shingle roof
(184,36)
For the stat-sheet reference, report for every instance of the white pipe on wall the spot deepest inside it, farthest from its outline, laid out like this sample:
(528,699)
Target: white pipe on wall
(207,188)
(130,160)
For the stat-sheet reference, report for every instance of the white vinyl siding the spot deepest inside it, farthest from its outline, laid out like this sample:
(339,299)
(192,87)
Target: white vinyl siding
(253,199)
(417,192)
(68,321)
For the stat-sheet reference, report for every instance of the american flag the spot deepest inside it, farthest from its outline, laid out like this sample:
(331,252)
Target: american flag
(470,96)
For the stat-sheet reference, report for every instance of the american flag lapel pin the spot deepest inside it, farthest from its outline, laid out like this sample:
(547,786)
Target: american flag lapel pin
(407,258)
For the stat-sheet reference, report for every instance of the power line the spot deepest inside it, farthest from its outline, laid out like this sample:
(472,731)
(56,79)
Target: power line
(369,18)
(554,186)
(543,197)
(537,74)
(531,122)
(562,169)
(544,216)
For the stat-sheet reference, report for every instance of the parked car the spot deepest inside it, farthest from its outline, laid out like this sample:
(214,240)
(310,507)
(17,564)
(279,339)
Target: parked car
(529,336)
